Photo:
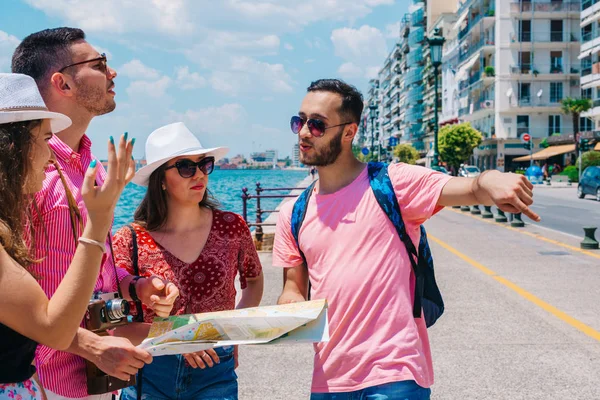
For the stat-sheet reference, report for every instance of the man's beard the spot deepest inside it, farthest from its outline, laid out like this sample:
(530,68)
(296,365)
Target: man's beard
(326,156)
(95,100)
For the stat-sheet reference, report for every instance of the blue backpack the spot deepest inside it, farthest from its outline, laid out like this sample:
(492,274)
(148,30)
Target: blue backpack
(427,294)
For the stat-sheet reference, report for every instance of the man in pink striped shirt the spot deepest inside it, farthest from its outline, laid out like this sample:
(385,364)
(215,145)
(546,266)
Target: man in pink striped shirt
(76,81)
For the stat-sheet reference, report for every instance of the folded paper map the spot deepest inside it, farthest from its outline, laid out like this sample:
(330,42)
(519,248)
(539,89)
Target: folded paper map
(303,322)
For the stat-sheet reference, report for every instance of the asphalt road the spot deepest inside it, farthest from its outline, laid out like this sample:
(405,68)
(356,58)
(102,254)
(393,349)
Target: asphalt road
(561,210)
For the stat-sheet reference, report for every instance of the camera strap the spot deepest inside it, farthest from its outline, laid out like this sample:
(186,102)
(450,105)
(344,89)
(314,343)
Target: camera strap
(77,220)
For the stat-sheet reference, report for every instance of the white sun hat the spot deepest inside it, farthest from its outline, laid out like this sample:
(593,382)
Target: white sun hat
(168,142)
(20,100)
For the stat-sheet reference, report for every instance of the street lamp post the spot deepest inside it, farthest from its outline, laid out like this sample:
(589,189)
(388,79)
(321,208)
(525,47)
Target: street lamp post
(373,115)
(436,42)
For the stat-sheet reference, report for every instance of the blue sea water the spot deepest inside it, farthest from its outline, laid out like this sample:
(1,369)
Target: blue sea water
(226,186)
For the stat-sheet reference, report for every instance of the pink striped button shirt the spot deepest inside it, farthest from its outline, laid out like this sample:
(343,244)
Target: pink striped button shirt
(61,372)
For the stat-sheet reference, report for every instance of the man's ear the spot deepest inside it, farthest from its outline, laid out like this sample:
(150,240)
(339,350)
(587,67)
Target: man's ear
(350,132)
(61,84)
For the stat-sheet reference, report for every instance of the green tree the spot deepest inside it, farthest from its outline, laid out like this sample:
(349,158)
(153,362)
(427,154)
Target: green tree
(589,159)
(456,143)
(406,153)
(575,107)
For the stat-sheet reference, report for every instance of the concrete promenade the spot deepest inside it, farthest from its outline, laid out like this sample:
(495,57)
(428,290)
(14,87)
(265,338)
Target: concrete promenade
(522,318)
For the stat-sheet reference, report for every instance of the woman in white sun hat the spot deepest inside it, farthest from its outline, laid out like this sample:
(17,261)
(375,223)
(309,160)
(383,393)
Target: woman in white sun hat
(27,317)
(183,237)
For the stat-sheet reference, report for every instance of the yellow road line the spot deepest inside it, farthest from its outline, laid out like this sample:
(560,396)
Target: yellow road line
(533,235)
(580,326)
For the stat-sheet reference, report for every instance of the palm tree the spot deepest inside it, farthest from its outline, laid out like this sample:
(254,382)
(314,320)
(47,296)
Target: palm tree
(575,107)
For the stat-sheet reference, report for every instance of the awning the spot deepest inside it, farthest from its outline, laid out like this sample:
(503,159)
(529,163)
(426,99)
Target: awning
(466,67)
(460,20)
(548,152)
(584,54)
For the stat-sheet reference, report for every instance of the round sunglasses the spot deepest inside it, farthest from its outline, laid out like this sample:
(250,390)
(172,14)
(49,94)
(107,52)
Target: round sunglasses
(187,168)
(316,127)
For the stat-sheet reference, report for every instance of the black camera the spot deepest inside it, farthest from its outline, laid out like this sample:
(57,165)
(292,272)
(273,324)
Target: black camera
(105,311)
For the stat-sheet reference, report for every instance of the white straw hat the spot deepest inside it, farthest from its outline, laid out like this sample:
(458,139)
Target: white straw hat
(20,100)
(168,142)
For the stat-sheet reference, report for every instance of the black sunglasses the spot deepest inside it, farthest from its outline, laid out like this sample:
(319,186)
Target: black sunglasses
(316,127)
(102,58)
(187,168)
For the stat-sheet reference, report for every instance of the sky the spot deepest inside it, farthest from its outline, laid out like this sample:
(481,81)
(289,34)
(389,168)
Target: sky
(234,71)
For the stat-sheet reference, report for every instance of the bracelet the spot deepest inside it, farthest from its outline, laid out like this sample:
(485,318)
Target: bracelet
(93,242)
(132,290)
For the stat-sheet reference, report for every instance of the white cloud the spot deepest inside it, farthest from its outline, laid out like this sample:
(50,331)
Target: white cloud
(247,75)
(288,46)
(349,70)
(188,81)
(153,89)
(117,16)
(392,31)
(8,44)
(135,69)
(363,43)
(309,61)
(362,48)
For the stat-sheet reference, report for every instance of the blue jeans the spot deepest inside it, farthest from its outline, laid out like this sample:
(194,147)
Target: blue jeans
(405,390)
(171,378)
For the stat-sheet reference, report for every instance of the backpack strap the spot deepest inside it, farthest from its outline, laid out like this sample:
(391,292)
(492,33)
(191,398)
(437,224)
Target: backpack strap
(136,271)
(383,190)
(298,215)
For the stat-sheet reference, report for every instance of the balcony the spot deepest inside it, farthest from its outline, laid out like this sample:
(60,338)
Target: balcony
(526,68)
(415,57)
(464,55)
(473,20)
(544,37)
(546,7)
(415,95)
(417,18)
(416,36)
(414,75)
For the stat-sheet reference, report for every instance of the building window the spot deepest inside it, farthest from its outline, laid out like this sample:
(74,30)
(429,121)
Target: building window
(522,124)
(556,30)
(586,33)
(525,30)
(586,66)
(556,62)
(586,93)
(525,61)
(556,92)
(524,93)
(553,124)
(585,124)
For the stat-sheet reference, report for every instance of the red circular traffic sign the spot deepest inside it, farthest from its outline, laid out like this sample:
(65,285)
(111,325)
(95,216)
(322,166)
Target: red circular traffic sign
(526,137)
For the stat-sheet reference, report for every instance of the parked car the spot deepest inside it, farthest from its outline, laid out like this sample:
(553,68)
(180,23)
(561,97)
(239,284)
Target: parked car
(469,171)
(589,183)
(444,170)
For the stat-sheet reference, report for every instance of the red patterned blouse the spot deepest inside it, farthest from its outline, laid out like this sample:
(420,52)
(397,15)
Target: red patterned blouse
(207,284)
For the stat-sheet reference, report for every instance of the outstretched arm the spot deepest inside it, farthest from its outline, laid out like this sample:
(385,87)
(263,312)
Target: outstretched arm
(509,192)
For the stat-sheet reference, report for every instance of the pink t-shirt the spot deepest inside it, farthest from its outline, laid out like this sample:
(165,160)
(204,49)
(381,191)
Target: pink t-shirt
(358,263)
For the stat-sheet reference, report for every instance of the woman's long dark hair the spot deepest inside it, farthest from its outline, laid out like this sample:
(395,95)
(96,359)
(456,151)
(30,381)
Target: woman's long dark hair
(152,211)
(16,141)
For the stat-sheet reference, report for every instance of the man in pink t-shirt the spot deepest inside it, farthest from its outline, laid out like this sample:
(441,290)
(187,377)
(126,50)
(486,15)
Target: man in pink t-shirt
(357,261)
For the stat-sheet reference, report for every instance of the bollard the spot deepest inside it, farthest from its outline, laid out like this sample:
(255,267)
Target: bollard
(549,183)
(589,241)
(501,216)
(475,210)
(517,222)
(487,212)
(465,208)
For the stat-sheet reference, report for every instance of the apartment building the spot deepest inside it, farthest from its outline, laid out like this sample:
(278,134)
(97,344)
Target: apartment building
(517,60)
(398,92)
(590,60)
